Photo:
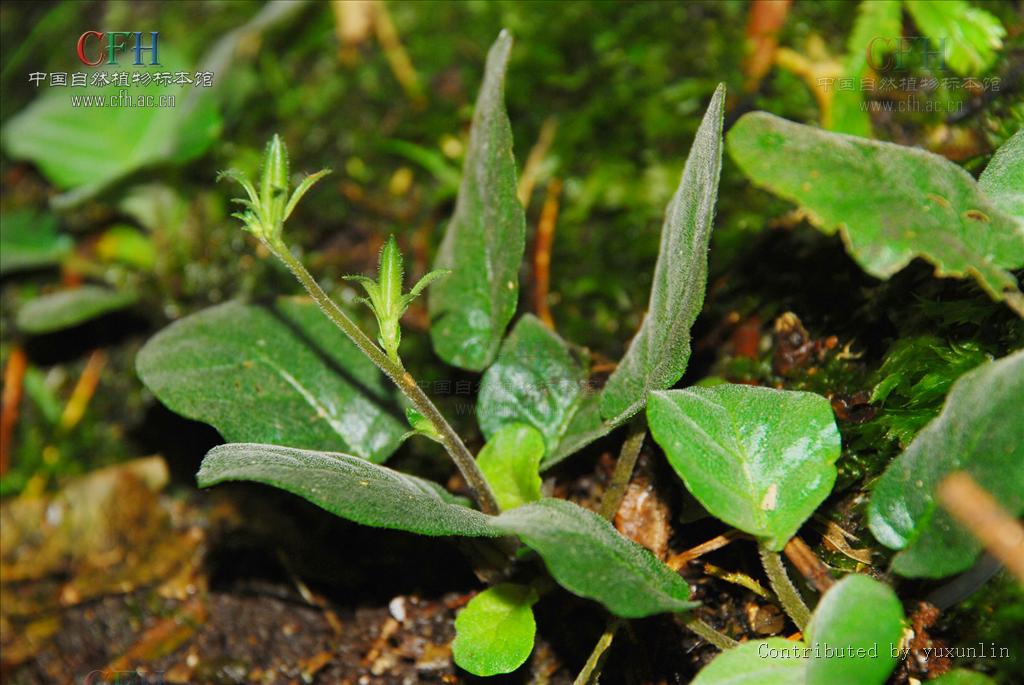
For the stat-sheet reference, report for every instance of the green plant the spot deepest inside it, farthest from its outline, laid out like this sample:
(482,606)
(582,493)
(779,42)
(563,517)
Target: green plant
(308,412)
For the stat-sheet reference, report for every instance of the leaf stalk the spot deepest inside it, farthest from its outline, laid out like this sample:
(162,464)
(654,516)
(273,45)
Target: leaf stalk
(789,597)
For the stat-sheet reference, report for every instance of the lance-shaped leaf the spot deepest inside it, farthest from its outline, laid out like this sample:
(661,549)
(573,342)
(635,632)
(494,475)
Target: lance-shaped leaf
(483,244)
(536,379)
(276,373)
(347,486)
(494,633)
(588,557)
(658,354)
(1003,178)
(67,308)
(890,203)
(865,618)
(510,462)
(774,661)
(760,459)
(981,431)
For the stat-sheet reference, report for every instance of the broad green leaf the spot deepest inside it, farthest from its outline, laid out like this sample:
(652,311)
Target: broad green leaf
(981,431)
(585,426)
(969,36)
(890,203)
(960,676)
(511,463)
(536,379)
(774,661)
(760,459)
(588,557)
(879,23)
(347,486)
(864,618)
(278,373)
(67,308)
(483,244)
(89,147)
(29,240)
(1003,178)
(494,633)
(657,356)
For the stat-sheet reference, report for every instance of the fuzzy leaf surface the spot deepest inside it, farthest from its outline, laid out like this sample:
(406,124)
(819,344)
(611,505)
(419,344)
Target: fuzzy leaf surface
(657,356)
(484,241)
(277,373)
(981,431)
(759,459)
(588,557)
(890,203)
(1003,178)
(536,379)
(347,486)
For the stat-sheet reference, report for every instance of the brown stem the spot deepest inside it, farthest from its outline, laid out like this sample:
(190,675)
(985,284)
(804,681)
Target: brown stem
(542,253)
(808,564)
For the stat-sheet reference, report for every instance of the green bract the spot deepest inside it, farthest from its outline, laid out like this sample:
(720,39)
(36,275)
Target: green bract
(757,458)
(981,431)
(267,209)
(385,298)
(494,633)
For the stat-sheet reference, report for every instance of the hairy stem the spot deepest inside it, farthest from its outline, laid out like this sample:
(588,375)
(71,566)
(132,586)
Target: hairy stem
(592,669)
(784,589)
(709,634)
(628,455)
(396,372)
